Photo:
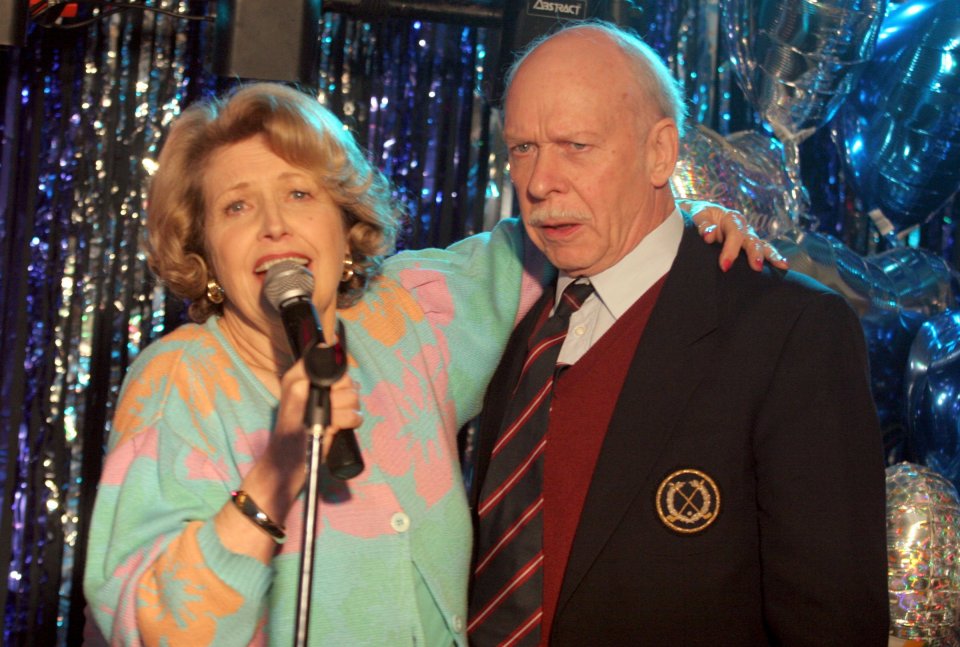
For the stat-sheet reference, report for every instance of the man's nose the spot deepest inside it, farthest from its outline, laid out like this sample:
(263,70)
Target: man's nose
(547,175)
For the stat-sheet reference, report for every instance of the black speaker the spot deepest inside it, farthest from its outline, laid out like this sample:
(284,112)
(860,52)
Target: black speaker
(275,40)
(13,23)
(527,20)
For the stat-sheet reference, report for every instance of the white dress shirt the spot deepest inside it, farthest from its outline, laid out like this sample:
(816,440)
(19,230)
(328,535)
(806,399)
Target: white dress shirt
(619,287)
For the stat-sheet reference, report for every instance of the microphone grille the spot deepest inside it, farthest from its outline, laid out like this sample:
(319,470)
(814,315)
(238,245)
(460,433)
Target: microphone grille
(287,280)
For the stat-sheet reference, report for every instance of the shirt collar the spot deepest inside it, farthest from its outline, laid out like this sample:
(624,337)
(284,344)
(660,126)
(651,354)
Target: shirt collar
(620,286)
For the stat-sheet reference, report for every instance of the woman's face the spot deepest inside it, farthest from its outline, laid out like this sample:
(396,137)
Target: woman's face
(260,210)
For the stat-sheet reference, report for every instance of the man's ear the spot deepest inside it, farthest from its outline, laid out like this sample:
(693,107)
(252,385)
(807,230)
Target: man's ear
(663,148)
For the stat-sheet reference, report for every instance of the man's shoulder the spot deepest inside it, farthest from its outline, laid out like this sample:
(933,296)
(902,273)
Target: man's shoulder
(782,303)
(771,295)
(741,277)
(773,279)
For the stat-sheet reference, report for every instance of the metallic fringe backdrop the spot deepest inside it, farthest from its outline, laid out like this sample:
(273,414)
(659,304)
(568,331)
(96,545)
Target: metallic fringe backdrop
(84,111)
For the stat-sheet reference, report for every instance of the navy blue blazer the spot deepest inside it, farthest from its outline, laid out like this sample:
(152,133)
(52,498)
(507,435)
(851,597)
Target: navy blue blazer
(759,382)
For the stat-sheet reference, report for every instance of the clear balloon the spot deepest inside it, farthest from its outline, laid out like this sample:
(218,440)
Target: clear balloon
(922,281)
(900,131)
(868,290)
(796,61)
(923,537)
(743,171)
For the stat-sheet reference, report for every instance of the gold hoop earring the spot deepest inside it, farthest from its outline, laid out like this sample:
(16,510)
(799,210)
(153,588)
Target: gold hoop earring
(347,269)
(215,293)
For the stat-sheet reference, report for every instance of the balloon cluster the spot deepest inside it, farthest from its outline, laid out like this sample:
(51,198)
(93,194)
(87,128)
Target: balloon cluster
(887,80)
(890,82)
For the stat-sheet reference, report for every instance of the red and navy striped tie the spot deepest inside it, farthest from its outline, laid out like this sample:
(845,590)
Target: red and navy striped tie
(506,604)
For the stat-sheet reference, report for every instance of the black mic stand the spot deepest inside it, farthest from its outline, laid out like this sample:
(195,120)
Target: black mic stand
(325,365)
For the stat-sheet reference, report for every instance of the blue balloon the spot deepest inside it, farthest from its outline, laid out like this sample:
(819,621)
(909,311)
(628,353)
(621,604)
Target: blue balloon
(932,385)
(900,130)
(899,27)
(924,284)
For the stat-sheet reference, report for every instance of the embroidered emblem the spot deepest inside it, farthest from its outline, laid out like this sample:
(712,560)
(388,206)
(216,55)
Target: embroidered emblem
(688,501)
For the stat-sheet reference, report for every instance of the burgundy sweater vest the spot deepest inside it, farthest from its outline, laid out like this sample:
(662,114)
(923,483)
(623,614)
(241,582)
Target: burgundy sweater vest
(583,402)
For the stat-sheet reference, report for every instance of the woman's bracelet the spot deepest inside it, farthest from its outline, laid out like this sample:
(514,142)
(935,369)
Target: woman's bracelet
(253,512)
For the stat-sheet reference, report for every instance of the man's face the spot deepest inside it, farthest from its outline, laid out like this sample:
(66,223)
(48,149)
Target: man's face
(579,153)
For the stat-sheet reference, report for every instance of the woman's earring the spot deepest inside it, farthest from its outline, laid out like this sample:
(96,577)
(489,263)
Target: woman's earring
(214,292)
(347,268)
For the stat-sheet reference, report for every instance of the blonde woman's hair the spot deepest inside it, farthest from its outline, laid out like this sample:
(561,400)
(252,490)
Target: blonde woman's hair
(299,130)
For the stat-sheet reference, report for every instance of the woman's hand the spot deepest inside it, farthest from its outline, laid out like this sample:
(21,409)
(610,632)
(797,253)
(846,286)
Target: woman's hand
(717,224)
(288,445)
(280,473)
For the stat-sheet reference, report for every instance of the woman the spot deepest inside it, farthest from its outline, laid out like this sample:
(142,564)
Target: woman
(206,454)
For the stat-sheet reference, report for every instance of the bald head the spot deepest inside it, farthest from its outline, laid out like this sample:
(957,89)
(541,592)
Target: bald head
(596,44)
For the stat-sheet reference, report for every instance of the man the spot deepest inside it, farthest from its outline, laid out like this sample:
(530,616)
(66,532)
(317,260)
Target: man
(709,456)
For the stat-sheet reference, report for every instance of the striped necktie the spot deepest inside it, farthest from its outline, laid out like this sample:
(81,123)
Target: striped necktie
(506,605)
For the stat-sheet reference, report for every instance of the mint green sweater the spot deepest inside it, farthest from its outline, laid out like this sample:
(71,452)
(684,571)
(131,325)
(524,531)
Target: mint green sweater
(192,419)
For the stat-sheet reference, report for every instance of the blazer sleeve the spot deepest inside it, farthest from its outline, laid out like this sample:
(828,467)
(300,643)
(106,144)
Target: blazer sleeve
(819,465)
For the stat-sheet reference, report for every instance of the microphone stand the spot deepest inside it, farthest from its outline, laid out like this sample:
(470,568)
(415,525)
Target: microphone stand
(325,364)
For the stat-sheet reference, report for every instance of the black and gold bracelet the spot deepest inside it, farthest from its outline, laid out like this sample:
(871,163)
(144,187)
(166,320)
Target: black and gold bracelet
(253,512)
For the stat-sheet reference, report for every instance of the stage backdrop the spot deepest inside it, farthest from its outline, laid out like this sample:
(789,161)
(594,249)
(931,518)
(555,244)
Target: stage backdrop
(84,106)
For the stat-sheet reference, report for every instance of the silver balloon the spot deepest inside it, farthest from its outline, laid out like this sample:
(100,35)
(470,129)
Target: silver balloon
(796,61)
(923,537)
(900,131)
(743,171)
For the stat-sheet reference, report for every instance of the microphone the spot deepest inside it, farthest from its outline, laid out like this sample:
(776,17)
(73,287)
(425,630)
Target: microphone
(289,289)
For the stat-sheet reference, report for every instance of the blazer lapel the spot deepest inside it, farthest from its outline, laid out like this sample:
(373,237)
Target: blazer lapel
(663,376)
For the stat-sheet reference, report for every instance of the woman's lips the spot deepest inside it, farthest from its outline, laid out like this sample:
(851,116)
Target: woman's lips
(266,262)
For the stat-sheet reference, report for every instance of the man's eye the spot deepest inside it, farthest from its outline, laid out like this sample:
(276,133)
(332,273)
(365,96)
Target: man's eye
(577,146)
(521,148)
